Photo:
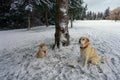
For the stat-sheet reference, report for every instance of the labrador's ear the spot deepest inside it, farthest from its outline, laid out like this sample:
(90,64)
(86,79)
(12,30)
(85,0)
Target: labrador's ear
(87,40)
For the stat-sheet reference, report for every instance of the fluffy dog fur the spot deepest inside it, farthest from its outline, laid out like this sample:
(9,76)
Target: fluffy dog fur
(88,54)
(42,52)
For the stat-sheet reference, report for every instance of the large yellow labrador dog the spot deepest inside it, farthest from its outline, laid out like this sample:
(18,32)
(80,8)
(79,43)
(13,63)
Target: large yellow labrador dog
(42,52)
(88,53)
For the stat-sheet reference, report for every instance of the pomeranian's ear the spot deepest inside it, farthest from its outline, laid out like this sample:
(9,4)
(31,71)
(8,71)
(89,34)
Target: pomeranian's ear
(43,44)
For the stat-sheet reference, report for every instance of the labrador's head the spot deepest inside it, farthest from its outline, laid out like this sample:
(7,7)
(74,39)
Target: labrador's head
(83,41)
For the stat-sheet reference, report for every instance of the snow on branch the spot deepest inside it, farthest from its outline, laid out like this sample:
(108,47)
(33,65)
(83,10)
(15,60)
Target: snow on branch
(13,6)
(38,2)
(75,4)
(49,4)
(29,7)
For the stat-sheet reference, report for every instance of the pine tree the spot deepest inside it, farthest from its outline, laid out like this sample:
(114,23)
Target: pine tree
(4,13)
(12,14)
(29,9)
(107,13)
(83,15)
(45,7)
(75,10)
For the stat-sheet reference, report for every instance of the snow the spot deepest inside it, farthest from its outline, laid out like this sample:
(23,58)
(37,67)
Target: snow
(63,24)
(63,39)
(13,6)
(18,49)
(63,10)
(29,7)
(49,4)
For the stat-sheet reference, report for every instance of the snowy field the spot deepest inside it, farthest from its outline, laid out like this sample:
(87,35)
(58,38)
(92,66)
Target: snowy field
(18,49)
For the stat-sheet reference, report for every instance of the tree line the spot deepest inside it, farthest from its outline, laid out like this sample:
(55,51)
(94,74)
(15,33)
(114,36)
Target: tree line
(89,15)
(16,14)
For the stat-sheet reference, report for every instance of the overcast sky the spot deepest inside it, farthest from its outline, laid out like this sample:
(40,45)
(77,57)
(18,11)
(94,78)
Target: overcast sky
(101,5)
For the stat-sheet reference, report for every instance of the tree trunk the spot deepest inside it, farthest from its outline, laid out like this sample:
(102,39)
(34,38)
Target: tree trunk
(46,18)
(71,21)
(61,27)
(64,23)
(57,27)
(29,21)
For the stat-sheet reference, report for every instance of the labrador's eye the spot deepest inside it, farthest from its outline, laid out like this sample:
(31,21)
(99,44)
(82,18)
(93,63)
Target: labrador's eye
(83,39)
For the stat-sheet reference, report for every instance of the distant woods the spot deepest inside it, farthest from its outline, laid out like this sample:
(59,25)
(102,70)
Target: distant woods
(16,14)
(107,14)
(115,14)
(98,16)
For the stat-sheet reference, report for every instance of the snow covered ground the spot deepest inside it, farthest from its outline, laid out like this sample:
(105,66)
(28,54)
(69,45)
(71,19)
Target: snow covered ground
(18,49)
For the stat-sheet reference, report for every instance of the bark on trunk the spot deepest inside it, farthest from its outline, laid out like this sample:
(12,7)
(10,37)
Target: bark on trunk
(46,18)
(61,27)
(29,21)
(71,21)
